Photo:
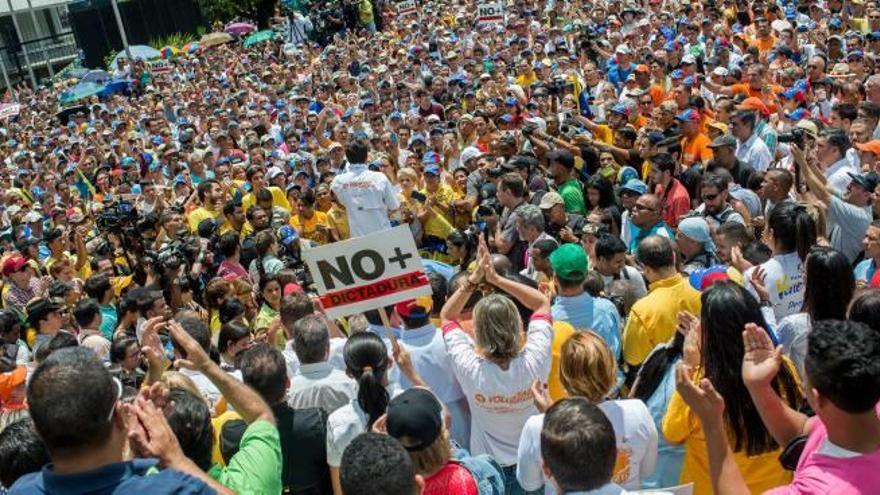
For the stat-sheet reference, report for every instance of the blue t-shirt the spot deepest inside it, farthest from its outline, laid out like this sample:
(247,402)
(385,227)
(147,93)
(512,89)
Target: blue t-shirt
(585,312)
(864,271)
(119,478)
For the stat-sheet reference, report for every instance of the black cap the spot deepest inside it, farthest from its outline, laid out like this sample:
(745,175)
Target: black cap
(37,309)
(415,418)
(230,437)
(562,156)
(52,234)
(867,181)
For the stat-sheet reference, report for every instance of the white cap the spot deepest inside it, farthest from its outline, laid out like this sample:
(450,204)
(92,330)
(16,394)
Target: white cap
(469,154)
(720,71)
(623,50)
(274,172)
(688,59)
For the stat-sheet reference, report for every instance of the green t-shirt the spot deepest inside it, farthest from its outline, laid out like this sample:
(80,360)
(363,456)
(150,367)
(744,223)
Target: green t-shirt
(573,196)
(256,467)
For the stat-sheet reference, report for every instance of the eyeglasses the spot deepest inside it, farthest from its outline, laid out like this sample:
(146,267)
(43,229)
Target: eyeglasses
(642,207)
(118,396)
(709,197)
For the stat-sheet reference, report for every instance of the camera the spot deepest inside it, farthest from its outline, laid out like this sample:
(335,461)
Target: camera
(559,85)
(795,136)
(529,129)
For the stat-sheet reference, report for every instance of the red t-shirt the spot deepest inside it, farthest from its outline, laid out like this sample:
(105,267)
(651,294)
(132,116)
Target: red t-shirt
(676,202)
(452,479)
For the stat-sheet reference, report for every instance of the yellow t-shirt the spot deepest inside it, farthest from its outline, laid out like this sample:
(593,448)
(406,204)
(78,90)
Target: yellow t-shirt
(561,332)
(278,199)
(338,219)
(604,133)
(195,217)
(439,225)
(680,424)
(218,422)
(308,227)
(654,318)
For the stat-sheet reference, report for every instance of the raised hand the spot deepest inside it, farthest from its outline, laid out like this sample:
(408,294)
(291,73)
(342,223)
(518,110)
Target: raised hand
(541,396)
(702,398)
(689,326)
(761,360)
(758,280)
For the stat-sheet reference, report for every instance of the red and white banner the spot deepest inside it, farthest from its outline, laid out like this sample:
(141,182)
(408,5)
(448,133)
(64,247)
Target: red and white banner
(368,272)
(406,8)
(8,110)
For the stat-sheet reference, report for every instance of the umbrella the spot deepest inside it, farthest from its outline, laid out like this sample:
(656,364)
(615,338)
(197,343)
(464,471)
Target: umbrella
(113,87)
(259,37)
(96,76)
(80,91)
(64,114)
(191,47)
(138,52)
(214,39)
(240,28)
(169,52)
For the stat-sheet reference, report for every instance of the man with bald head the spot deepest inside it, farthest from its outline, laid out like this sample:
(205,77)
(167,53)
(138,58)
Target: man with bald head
(654,318)
(647,220)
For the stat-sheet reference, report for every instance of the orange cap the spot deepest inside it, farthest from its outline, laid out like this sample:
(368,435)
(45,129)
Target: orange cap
(873,146)
(754,103)
(10,380)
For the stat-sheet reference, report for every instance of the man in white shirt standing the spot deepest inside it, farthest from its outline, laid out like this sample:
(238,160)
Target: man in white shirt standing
(831,149)
(368,197)
(317,384)
(750,148)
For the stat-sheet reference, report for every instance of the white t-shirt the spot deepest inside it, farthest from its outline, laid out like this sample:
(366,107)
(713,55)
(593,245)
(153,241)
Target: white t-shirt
(367,196)
(344,425)
(784,282)
(636,437)
(500,399)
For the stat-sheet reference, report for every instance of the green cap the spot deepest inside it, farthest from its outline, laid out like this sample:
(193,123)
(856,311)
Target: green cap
(569,262)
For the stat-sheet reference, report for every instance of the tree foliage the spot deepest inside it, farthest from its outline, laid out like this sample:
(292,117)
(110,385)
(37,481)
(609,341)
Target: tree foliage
(224,11)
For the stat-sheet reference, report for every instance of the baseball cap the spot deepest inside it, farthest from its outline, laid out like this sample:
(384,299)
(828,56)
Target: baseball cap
(636,186)
(287,234)
(810,127)
(13,264)
(470,153)
(431,158)
(621,108)
(754,103)
(419,307)
(688,59)
(725,140)
(562,156)
(415,418)
(873,146)
(721,126)
(274,172)
(689,115)
(866,181)
(569,262)
(642,68)
(697,229)
(39,308)
(432,169)
(551,199)
(704,278)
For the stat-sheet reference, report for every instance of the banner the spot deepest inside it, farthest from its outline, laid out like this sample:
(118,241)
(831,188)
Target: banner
(490,13)
(159,66)
(406,8)
(8,110)
(368,272)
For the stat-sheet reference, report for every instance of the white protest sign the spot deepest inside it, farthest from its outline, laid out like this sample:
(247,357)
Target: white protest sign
(490,13)
(9,110)
(406,8)
(367,272)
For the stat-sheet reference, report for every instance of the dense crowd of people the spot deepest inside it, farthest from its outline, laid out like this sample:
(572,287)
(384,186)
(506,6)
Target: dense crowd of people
(649,230)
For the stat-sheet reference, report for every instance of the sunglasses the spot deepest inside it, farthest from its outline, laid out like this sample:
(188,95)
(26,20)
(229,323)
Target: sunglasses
(642,207)
(709,197)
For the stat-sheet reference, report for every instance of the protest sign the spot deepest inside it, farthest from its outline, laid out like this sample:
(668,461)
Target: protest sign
(490,13)
(9,110)
(406,8)
(367,272)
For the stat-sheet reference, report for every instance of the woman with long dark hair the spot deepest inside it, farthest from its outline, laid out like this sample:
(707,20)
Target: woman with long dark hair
(461,246)
(829,284)
(267,262)
(234,338)
(726,309)
(599,192)
(270,305)
(367,362)
(790,234)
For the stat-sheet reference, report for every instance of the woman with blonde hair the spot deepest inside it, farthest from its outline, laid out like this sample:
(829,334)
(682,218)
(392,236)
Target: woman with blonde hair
(588,369)
(496,368)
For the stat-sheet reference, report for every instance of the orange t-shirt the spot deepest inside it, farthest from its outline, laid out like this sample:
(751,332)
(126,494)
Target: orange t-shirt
(657,94)
(695,150)
(764,45)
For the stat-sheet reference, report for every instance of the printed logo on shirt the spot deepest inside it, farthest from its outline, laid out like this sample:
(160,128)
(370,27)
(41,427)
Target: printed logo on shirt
(504,403)
(622,465)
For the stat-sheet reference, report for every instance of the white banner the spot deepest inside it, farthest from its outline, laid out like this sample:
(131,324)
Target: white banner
(9,110)
(368,272)
(490,13)
(406,8)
